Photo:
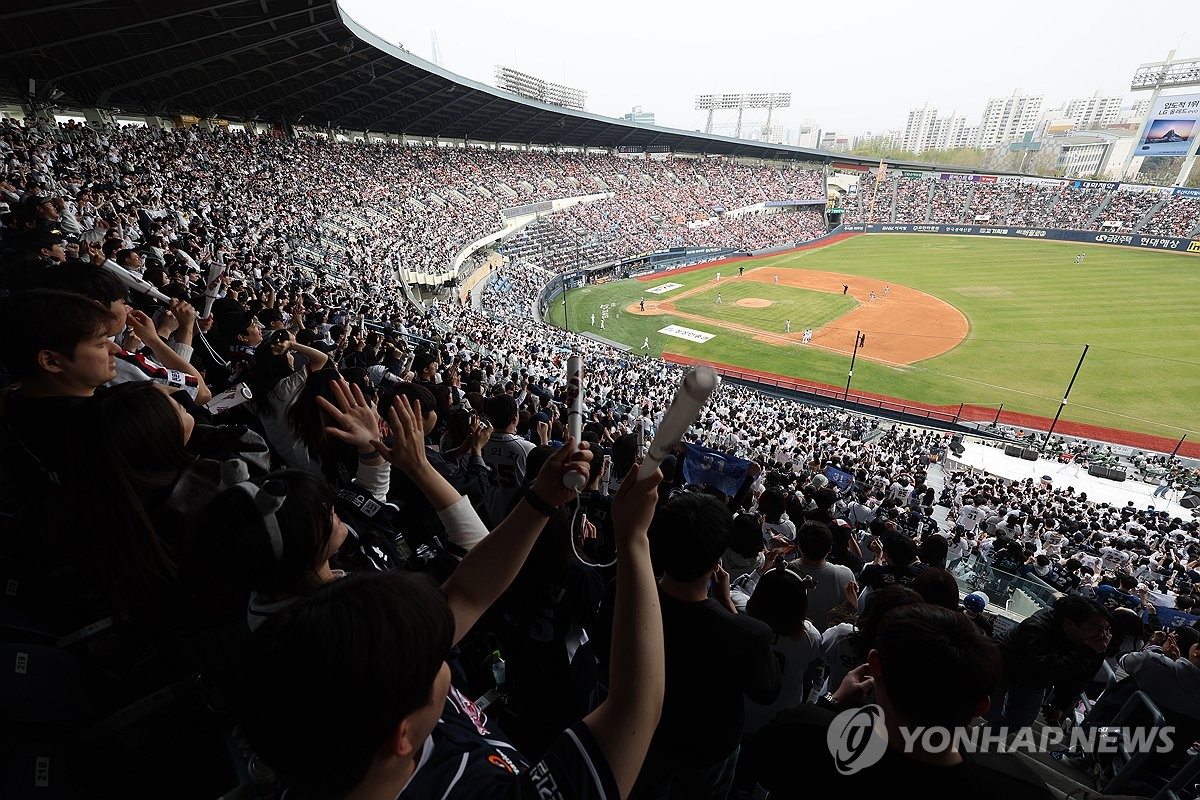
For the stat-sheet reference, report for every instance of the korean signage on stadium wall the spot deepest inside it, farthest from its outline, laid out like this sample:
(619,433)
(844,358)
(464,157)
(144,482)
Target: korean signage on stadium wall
(775,203)
(1059,182)
(1127,239)
(1174,122)
(1109,185)
(1187,192)
(958,176)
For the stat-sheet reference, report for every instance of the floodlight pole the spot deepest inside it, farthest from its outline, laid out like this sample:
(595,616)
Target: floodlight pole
(1185,170)
(1178,445)
(854,355)
(1174,73)
(566,316)
(1141,132)
(1061,405)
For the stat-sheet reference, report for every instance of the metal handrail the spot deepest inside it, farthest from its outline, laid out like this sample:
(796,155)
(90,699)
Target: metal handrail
(1131,762)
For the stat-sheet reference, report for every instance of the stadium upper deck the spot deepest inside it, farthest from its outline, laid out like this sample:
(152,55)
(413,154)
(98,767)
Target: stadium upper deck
(294,62)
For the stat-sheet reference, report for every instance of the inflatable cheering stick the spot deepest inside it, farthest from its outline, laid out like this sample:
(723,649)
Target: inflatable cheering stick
(135,282)
(698,385)
(574,480)
(213,273)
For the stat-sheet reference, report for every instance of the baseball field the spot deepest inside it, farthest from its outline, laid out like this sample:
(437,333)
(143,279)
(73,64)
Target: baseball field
(943,320)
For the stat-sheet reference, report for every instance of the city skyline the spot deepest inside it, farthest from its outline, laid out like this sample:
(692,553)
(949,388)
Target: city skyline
(955,59)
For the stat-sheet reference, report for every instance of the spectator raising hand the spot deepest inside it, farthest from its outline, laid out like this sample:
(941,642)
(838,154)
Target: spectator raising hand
(407,452)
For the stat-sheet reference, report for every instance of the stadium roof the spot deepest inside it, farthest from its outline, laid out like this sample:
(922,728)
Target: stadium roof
(300,61)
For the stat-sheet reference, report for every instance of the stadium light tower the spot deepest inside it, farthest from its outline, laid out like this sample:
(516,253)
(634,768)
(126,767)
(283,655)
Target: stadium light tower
(742,101)
(1173,73)
(529,86)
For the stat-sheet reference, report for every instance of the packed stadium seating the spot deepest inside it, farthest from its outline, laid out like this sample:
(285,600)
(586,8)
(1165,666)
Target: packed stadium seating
(904,199)
(124,506)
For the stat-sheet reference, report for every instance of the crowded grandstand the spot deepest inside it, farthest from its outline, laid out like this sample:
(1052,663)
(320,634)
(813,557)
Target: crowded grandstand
(1043,203)
(293,505)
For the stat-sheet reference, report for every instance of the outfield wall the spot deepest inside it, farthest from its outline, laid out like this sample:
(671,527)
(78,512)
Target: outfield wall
(1170,243)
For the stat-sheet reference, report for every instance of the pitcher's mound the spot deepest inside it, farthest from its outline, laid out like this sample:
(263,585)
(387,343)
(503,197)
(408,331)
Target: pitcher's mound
(753,302)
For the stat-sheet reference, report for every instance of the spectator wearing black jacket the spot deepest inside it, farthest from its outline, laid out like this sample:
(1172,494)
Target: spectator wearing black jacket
(1058,648)
(715,657)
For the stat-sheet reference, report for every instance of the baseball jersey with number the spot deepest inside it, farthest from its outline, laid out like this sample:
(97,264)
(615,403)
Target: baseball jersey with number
(970,517)
(505,454)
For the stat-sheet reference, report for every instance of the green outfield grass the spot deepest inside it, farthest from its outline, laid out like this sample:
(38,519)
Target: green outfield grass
(1031,310)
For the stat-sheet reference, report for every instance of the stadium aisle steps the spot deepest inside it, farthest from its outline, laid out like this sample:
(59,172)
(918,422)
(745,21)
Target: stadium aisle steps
(1151,212)
(1064,779)
(1094,219)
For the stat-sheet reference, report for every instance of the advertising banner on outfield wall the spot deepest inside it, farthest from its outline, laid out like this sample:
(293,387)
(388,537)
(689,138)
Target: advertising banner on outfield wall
(957,176)
(1127,239)
(1108,185)
(1059,182)
(1174,121)
(1142,188)
(1187,192)
(809,202)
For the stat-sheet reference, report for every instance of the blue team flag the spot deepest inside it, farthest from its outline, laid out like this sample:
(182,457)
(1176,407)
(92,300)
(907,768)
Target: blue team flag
(708,467)
(1173,618)
(840,478)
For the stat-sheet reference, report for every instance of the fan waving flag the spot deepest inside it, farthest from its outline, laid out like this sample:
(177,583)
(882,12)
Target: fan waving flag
(721,471)
(839,478)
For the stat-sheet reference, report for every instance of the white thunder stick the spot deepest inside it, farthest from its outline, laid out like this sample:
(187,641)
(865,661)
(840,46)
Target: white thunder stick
(574,480)
(212,286)
(698,385)
(135,282)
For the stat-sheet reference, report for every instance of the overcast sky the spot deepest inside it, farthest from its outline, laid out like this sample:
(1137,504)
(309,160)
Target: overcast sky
(851,67)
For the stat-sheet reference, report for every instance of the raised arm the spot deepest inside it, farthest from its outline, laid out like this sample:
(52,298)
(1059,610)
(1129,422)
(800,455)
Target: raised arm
(316,358)
(407,454)
(354,420)
(143,326)
(624,723)
(186,316)
(490,567)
